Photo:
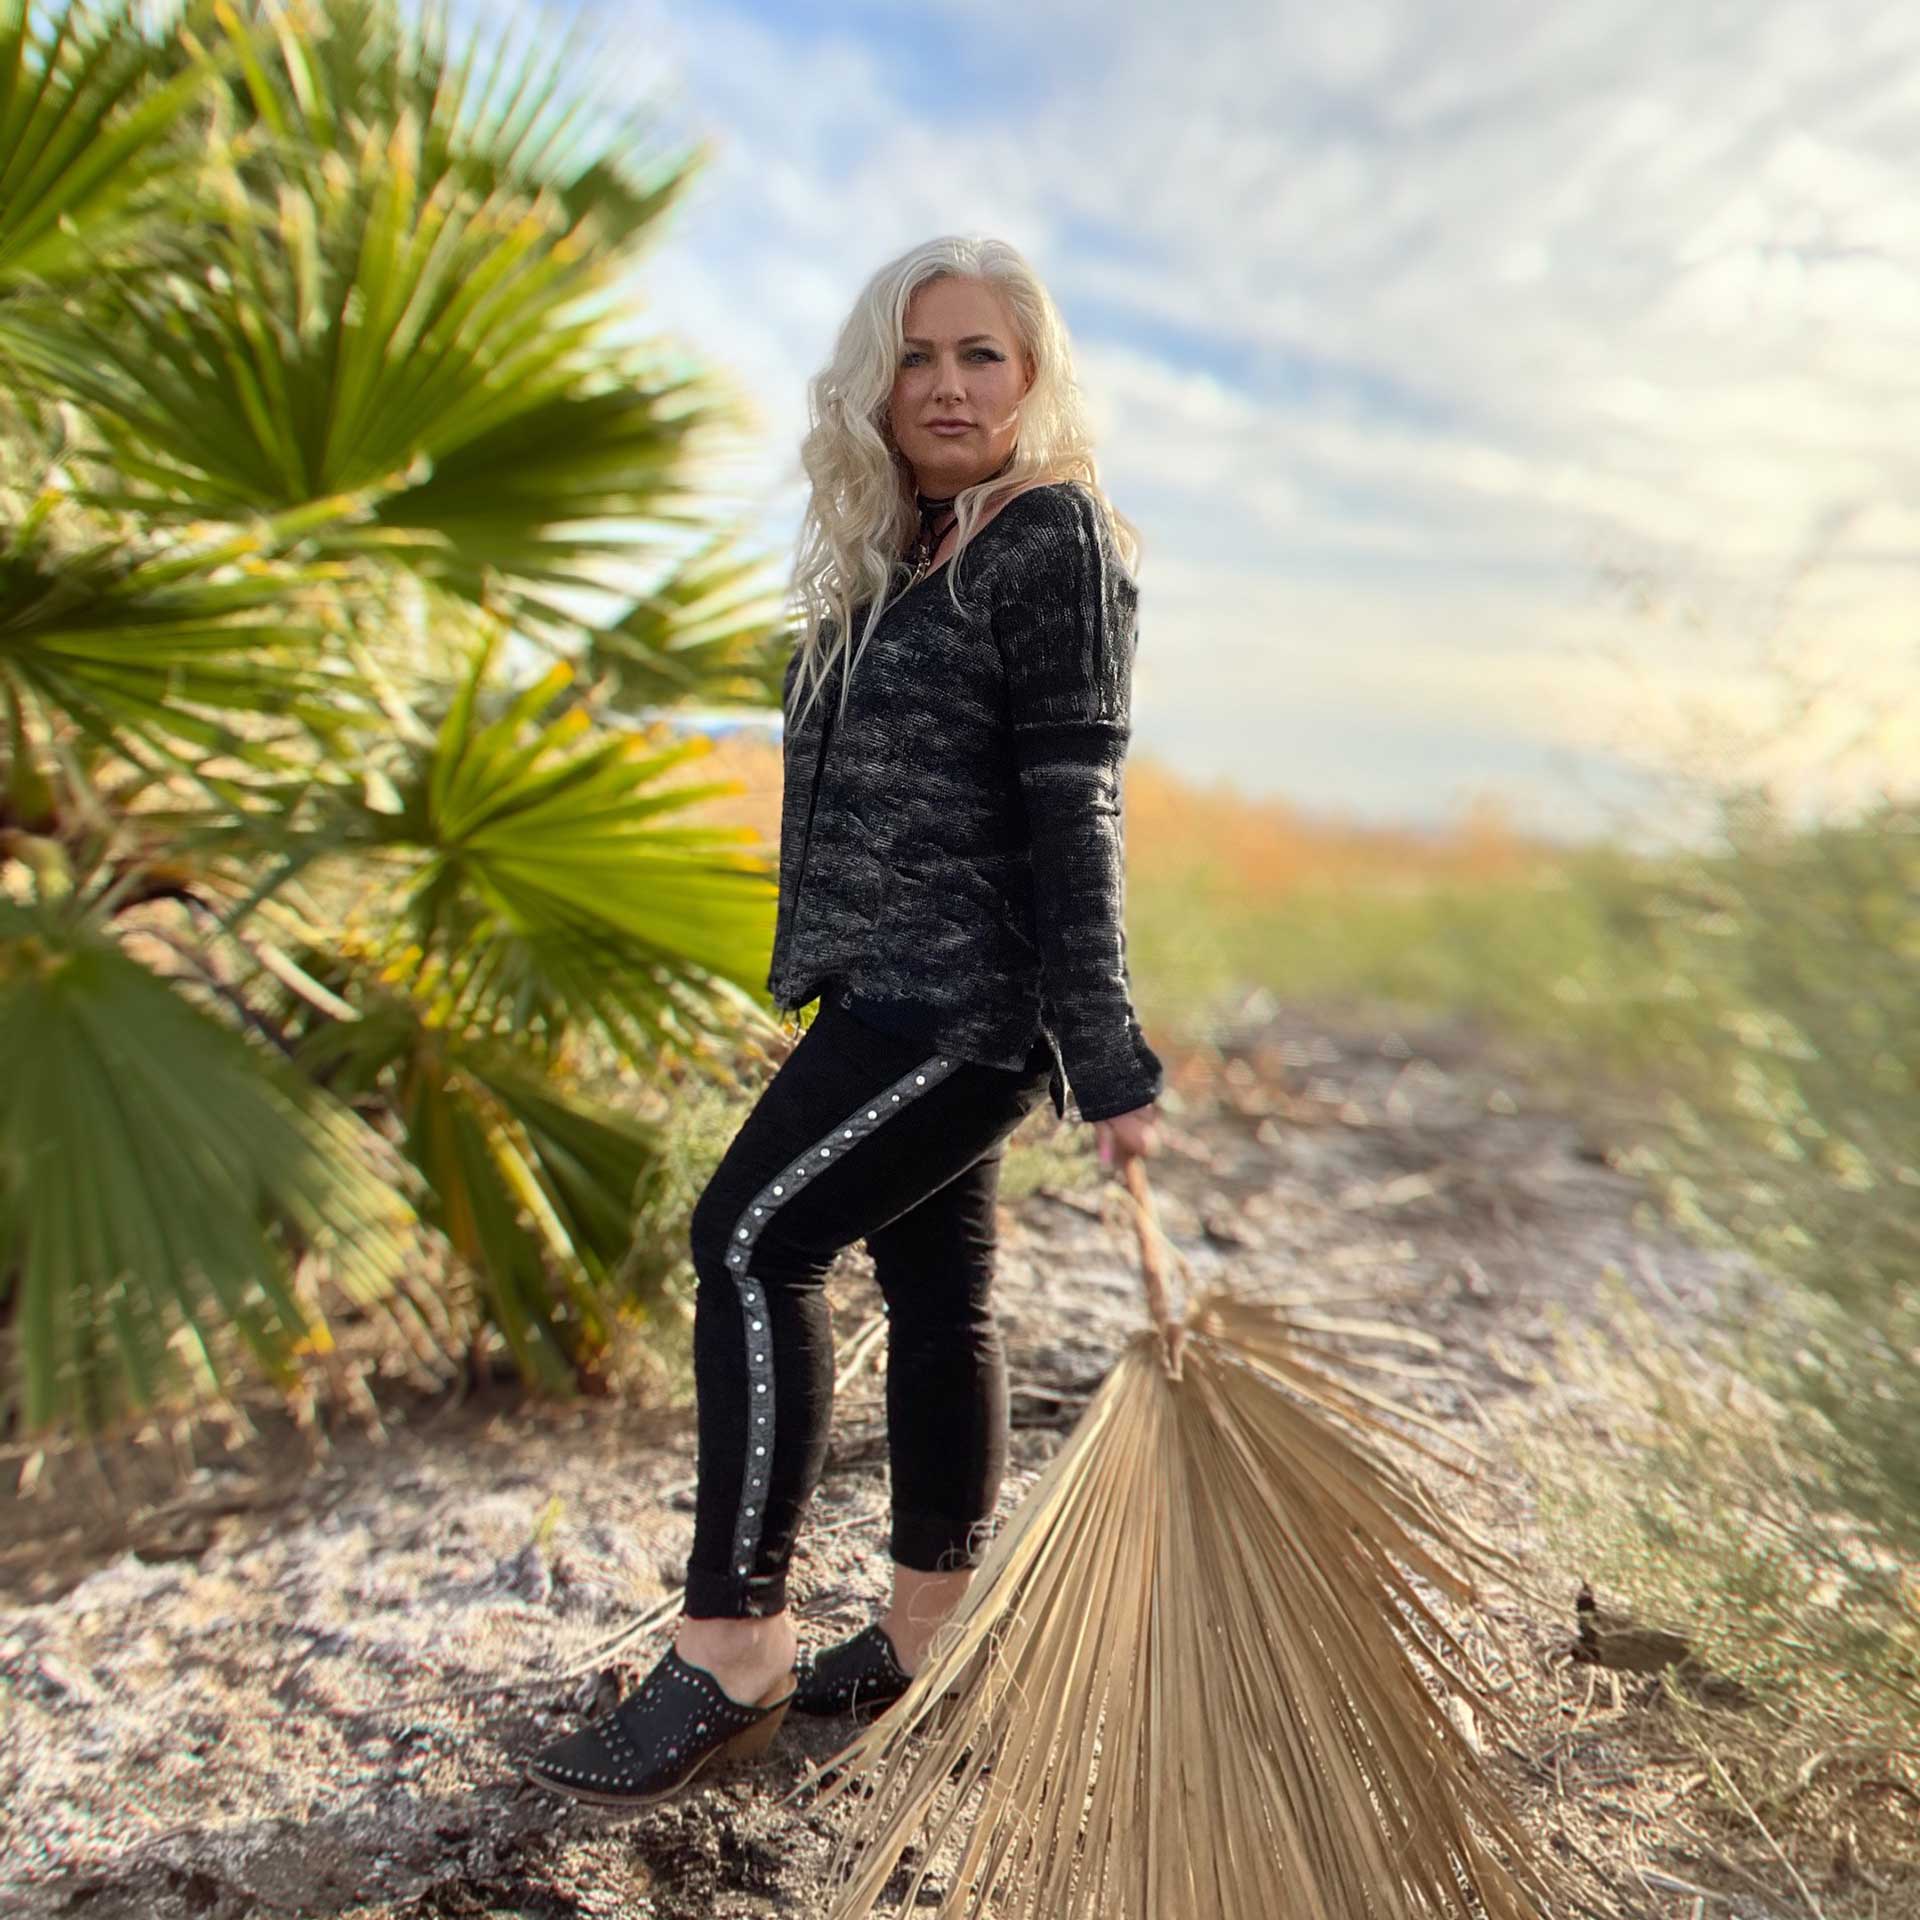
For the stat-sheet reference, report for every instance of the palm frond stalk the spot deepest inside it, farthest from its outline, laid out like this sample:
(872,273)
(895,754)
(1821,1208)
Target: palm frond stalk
(1202,1670)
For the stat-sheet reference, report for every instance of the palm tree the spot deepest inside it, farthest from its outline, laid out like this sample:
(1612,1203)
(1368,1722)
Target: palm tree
(330,870)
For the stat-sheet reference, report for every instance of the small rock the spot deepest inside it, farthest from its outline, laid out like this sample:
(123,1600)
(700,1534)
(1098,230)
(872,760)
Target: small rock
(1225,1228)
(526,1575)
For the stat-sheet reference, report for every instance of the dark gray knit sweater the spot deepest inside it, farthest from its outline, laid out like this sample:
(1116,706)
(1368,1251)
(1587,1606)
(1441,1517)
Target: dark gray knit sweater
(954,838)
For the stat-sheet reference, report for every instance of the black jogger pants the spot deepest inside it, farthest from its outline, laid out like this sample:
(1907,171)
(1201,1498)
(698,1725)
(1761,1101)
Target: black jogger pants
(859,1135)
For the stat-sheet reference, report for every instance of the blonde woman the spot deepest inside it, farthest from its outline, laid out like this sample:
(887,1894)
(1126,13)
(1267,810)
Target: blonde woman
(952,894)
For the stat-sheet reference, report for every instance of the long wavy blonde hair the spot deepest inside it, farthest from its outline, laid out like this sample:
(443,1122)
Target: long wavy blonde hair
(862,515)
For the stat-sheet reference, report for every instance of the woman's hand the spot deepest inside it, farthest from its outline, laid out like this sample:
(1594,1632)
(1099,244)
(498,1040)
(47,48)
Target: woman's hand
(1127,1136)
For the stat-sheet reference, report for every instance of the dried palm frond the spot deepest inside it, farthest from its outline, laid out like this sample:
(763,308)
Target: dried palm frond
(1198,1672)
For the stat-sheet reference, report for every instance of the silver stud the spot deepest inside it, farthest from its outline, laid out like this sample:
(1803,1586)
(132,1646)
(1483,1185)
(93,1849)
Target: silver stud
(871,1114)
(779,1189)
(896,1099)
(743,1233)
(919,1079)
(759,1209)
(756,1326)
(846,1133)
(760,1449)
(761,1387)
(824,1151)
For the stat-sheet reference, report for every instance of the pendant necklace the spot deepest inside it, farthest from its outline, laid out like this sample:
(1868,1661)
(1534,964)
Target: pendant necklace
(934,527)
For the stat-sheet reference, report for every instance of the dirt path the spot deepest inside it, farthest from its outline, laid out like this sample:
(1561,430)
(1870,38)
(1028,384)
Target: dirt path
(317,1709)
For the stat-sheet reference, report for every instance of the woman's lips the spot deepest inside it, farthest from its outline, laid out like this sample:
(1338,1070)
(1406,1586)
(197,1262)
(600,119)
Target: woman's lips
(950,426)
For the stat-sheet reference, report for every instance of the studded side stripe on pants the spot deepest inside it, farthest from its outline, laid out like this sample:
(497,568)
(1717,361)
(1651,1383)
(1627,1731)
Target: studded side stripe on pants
(868,1118)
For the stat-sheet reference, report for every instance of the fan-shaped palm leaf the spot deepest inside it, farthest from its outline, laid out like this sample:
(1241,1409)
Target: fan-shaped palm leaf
(535,1189)
(565,488)
(156,1173)
(320,75)
(85,135)
(357,326)
(192,648)
(544,885)
(1201,1670)
(558,834)
(709,634)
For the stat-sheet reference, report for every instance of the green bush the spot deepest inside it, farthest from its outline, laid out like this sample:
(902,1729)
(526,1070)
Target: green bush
(1799,1139)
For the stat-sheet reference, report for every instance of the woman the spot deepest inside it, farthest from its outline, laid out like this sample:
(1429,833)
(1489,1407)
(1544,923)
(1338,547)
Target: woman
(951,890)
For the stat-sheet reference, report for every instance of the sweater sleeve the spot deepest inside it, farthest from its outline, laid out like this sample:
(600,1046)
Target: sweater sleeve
(1067,629)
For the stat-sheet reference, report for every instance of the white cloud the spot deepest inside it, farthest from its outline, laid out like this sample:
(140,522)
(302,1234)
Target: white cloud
(1510,296)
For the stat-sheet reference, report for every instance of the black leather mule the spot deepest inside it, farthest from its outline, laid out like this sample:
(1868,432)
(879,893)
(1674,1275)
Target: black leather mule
(663,1733)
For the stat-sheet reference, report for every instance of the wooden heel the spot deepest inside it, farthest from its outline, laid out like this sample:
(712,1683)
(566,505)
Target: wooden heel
(751,1742)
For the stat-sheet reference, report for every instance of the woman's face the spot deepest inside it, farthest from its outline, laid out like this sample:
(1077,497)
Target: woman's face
(961,360)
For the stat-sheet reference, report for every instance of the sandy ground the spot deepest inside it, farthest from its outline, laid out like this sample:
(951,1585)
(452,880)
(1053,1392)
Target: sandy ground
(307,1691)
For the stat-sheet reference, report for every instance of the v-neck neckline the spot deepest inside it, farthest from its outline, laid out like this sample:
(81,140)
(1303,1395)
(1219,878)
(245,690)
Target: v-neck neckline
(935,573)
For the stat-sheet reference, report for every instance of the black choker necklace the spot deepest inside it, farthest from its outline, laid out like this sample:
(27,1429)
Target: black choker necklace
(933,510)
(933,529)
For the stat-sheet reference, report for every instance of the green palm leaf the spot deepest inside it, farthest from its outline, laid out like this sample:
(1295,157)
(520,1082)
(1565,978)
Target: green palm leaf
(360,325)
(565,844)
(319,75)
(569,482)
(85,137)
(156,1172)
(194,649)
(710,634)
(545,884)
(535,1189)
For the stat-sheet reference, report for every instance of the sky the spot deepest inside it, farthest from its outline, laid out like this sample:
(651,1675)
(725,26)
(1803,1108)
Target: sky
(1513,401)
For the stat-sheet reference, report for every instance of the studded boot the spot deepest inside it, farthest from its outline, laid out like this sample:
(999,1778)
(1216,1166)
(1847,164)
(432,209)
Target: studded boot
(861,1676)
